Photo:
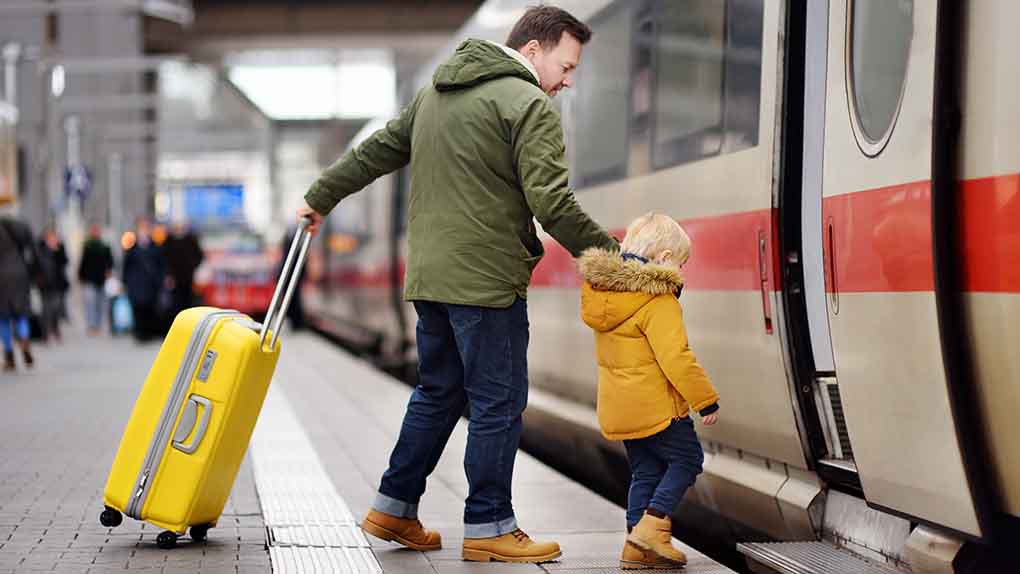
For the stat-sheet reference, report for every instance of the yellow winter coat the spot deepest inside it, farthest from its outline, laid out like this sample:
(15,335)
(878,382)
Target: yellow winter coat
(648,375)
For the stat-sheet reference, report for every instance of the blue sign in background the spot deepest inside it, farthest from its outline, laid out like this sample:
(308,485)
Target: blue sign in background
(219,203)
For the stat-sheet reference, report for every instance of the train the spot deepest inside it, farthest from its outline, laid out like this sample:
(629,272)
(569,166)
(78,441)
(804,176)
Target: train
(849,174)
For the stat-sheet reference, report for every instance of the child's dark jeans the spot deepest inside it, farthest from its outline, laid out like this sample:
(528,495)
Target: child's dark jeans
(663,466)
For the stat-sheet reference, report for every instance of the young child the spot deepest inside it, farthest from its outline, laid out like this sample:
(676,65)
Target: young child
(649,380)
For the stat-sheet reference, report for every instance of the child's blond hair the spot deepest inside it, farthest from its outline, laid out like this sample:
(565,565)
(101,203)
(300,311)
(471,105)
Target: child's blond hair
(653,233)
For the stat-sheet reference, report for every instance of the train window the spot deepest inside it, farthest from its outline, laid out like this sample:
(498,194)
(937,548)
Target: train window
(642,73)
(600,137)
(743,74)
(664,83)
(880,36)
(689,81)
(708,79)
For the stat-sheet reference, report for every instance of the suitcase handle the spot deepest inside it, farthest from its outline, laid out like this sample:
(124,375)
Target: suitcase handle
(286,285)
(187,423)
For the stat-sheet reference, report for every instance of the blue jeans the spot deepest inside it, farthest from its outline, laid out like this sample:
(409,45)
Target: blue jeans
(21,330)
(663,466)
(95,306)
(467,356)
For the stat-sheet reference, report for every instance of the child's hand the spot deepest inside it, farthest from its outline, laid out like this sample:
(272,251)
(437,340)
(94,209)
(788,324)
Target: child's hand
(709,420)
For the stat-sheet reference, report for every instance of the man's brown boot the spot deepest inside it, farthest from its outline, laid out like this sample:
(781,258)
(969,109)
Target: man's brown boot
(406,531)
(515,546)
(656,534)
(634,558)
(9,366)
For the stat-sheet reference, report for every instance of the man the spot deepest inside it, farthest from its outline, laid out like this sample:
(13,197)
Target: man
(53,284)
(95,267)
(144,275)
(486,150)
(183,256)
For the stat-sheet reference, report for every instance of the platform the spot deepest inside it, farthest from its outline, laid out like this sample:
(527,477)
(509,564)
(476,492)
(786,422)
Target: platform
(318,452)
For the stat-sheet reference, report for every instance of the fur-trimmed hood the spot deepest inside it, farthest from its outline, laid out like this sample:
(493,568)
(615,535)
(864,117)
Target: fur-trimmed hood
(615,289)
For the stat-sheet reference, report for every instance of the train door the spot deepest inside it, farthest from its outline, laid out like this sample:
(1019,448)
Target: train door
(834,452)
(880,384)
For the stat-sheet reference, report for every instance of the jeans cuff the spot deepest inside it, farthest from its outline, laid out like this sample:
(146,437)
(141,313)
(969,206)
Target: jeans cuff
(394,507)
(490,529)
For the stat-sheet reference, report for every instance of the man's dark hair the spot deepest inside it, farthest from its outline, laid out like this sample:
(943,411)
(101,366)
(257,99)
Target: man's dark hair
(547,25)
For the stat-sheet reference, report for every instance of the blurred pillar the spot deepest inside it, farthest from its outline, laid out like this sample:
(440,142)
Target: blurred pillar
(115,171)
(12,54)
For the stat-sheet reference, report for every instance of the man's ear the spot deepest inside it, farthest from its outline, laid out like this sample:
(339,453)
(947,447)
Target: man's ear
(664,256)
(532,48)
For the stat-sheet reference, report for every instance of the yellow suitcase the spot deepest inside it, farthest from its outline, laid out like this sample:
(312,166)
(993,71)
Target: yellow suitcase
(192,421)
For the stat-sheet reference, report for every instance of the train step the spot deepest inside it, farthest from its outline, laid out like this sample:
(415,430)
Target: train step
(811,558)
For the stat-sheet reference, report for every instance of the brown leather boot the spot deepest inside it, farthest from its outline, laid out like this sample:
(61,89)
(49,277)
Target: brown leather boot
(634,558)
(26,353)
(406,531)
(656,534)
(9,366)
(515,546)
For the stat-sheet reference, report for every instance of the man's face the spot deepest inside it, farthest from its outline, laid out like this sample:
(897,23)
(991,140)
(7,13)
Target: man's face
(555,66)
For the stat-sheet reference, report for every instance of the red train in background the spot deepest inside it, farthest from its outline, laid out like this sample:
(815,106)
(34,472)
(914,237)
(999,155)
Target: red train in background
(238,272)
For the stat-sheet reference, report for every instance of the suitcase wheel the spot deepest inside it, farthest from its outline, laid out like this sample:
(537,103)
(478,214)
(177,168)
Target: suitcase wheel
(199,532)
(110,518)
(166,539)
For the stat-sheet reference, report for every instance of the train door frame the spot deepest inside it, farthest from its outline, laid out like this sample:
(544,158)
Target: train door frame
(801,168)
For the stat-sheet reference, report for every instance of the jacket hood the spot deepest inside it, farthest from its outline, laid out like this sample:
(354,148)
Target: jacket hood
(475,62)
(616,289)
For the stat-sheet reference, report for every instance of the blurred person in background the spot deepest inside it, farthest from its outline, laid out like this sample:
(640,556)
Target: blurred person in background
(17,265)
(53,283)
(95,267)
(144,276)
(183,256)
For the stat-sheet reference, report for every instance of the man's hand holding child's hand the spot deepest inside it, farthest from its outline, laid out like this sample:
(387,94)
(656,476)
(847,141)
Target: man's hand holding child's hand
(709,420)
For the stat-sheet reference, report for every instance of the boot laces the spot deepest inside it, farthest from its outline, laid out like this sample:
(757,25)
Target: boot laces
(520,536)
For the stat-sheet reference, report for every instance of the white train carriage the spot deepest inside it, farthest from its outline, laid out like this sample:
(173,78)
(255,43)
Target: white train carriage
(849,173)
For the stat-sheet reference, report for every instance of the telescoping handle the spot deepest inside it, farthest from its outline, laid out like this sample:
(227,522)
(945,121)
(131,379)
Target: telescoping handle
(285,286)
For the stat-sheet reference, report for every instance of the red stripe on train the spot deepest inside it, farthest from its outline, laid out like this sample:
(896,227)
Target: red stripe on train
(882,239)
(991,234)
(724,254)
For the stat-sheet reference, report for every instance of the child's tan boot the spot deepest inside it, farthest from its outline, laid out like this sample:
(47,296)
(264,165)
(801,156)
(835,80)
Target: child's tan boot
(634,558)
(656,534)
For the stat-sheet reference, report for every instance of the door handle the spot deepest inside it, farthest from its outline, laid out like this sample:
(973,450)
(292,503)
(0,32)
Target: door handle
(833,285)
(763,280)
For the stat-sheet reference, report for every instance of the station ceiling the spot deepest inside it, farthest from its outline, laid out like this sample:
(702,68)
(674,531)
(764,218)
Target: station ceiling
(226,26)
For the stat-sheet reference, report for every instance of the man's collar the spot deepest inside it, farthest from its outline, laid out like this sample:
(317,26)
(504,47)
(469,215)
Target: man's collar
(520,58)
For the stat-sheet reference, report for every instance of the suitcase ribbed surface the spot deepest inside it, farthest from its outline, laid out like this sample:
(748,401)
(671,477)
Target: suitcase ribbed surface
(811,558)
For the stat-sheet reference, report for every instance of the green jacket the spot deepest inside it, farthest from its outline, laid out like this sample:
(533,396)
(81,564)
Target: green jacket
(486,150)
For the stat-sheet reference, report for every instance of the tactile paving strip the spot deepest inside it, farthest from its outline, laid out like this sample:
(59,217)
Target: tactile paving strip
(291,560)
(310,527)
